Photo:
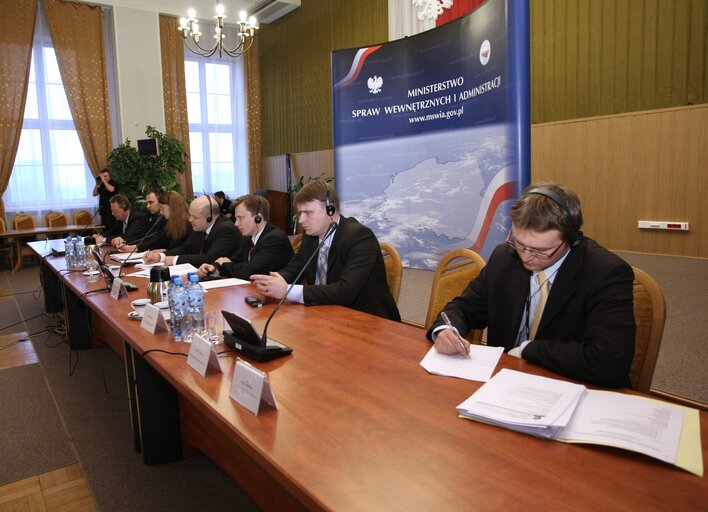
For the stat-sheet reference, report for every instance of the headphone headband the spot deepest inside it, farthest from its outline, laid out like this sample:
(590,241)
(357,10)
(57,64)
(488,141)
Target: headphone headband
(560,201)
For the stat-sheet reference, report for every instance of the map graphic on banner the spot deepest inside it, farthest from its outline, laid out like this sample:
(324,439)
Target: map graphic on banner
(431,138)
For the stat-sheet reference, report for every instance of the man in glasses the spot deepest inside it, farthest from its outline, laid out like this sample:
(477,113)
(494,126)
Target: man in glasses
(549,295)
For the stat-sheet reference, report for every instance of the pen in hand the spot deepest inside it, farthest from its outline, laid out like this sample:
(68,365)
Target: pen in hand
(457,333)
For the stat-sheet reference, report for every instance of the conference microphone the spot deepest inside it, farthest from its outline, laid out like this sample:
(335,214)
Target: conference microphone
(120,270)
(81,233)
(332,228)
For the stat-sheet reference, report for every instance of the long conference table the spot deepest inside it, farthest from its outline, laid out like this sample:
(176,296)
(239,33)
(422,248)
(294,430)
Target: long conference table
(360,425)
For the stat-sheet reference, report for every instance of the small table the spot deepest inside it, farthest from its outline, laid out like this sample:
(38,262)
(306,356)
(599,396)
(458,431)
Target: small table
(19,234)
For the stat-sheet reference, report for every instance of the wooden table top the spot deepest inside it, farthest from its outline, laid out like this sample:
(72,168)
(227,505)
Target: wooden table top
(45,230)
(362,426)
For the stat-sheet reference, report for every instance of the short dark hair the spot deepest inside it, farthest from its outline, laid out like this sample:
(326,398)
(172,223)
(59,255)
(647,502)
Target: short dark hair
(539,212)
(121,201)
(254,204)
(219,195)
(317,190)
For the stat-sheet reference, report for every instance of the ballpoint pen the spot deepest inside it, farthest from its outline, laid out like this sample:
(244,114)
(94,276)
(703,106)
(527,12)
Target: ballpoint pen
(457,333)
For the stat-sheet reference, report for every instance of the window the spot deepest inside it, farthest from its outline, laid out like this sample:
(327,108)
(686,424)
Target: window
(50,171)
(216,106)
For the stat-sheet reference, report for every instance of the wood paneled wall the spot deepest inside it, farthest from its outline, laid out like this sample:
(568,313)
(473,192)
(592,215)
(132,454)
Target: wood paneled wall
(641,166)
(648,165)
(610,56)
(295,57)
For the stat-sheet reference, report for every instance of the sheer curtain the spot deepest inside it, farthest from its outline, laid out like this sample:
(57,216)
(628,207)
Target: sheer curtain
(403,20)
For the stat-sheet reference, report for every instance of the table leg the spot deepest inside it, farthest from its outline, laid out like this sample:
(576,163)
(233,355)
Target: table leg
(18,255)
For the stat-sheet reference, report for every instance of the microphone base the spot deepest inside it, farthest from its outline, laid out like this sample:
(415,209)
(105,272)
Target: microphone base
(273,350)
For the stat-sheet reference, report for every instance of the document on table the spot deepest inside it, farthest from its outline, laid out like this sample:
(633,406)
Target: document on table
(631,422)
(478,366)
(175,270)
(136,257)
(528,403)
(222,283)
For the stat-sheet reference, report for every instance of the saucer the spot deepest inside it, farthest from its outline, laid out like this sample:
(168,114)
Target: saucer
(91,273)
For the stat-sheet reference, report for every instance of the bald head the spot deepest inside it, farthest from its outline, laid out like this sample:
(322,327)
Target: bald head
(200,210)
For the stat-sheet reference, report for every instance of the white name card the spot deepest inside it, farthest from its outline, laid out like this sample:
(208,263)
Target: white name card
(153,321)
(250,386)
(118,289)
(202,356)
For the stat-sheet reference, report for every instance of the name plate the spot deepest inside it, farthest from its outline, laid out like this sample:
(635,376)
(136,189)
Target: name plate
(202,356)
(250,386)
(153,321)
(118,289)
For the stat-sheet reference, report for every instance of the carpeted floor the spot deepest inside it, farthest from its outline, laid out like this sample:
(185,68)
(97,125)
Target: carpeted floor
(34,438)
(92,400)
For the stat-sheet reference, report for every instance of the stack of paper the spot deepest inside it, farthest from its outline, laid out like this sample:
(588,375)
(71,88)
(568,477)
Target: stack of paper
(528,403)
(128,257)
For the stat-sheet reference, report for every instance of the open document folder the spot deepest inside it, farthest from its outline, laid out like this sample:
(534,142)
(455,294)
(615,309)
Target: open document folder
(568,412)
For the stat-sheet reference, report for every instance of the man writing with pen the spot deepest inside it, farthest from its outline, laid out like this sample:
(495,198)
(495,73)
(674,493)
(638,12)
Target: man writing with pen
(549,295)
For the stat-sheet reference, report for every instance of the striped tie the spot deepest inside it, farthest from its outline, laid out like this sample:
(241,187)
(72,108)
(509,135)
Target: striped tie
(322,264)
(543,291)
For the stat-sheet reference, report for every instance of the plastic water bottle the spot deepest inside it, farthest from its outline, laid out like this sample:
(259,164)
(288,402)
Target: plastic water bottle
(69,253)
(79,253)
(195,295)
(179,314)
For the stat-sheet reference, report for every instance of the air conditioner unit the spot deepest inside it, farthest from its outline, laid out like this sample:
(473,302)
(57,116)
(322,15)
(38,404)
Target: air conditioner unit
(268,11)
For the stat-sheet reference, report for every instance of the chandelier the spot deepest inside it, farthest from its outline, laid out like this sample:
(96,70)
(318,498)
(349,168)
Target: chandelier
(431,9)
(189,27)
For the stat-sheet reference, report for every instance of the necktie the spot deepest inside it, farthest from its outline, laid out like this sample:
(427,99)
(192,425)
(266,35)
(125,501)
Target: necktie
(322,264)
(204,237)
(250,250)
(543,296)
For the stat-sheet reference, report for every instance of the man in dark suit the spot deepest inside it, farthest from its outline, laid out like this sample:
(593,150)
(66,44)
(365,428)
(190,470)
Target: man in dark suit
(264,247)
(348,270)
(130,225)
(213,237)
(550,295)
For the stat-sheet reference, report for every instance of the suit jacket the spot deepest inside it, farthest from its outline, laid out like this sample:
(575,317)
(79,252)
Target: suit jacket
(356,275)
(223,240)
(162,239)
(272,251)
(138,225)
(587,328)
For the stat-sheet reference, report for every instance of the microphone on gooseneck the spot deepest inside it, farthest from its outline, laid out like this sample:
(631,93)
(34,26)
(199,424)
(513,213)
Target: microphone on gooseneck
(120,270)
(264,337)
(83,230)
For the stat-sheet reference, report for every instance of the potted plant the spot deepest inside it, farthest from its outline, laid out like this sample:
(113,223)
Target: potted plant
(136,174)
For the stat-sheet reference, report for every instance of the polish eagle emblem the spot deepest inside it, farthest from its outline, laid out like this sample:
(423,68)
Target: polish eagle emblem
(375,83)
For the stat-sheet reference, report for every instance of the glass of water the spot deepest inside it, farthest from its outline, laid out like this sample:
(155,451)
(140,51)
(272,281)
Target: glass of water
(214,326)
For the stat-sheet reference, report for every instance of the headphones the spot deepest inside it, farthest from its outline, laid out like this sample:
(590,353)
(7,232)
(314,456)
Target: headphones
(560,201)
(329,207)
(258,218)
(209,217)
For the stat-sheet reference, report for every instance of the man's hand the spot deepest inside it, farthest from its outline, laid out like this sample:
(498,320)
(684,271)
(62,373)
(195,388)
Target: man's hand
(151,257)
(205,269)
(223,260)
(272,285)
(118,242)
(447,342)
(127,248)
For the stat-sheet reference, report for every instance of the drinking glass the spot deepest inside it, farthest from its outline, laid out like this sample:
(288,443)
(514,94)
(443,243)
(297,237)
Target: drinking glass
(92,270)
(214,326)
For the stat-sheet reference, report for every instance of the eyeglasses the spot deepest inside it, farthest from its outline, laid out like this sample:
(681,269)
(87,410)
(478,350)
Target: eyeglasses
(521,248)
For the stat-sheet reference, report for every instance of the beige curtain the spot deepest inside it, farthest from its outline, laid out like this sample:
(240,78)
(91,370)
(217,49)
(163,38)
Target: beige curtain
(16,33)
(174,92)
(77,35)
(252,73)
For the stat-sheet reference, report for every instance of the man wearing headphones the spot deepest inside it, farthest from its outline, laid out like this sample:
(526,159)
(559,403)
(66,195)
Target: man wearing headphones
(212,237)
(348,270)
(549,295)
(264,247)
(130,225)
